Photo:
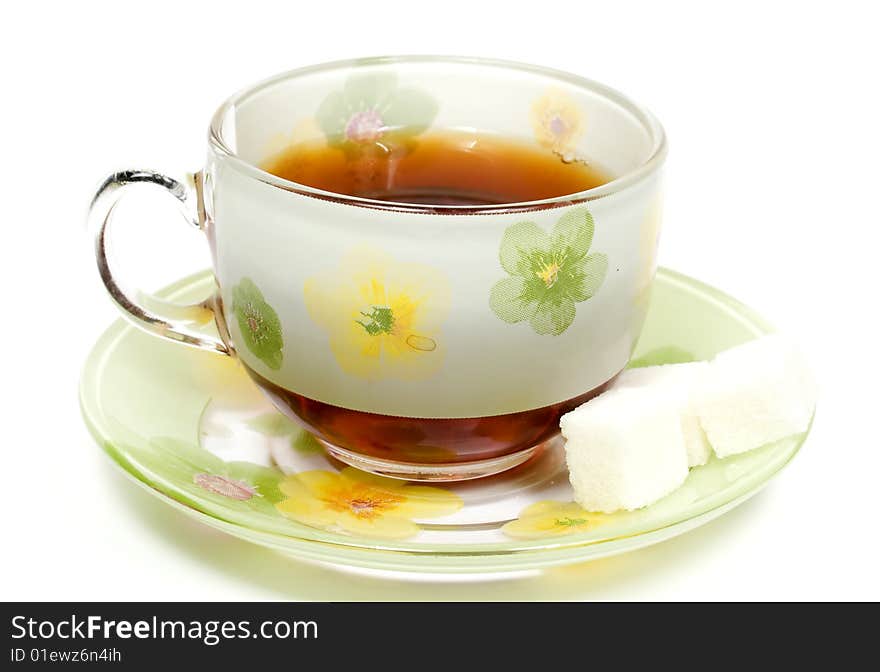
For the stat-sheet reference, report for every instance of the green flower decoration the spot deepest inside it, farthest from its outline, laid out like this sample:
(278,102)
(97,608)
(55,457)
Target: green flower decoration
(549,273)
(277,424)
(258,323)
(371,105)
(660,356)
(198,474)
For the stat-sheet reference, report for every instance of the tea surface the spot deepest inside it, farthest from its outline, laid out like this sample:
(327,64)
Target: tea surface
(437,168)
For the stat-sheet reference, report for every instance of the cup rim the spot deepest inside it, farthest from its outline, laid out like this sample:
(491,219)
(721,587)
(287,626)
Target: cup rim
(645,117)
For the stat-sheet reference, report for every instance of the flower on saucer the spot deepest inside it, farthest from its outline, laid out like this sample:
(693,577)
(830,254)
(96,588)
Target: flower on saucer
(361,503)
(258,323)
(557,122)
(551,519)
(272,423)
(549,272)
(195,473)
(370,105)
(383,317)
(226,486)
(275,424)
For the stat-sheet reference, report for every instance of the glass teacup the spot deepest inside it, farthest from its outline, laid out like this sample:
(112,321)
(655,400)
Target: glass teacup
(421,341)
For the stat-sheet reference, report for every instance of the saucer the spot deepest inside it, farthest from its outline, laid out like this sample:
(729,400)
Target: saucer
(190,427)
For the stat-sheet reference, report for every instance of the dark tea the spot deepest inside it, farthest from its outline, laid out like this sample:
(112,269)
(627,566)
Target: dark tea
(440,168)
(424,440)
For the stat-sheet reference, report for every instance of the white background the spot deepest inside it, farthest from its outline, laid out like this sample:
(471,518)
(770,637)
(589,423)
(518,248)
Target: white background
(773,116)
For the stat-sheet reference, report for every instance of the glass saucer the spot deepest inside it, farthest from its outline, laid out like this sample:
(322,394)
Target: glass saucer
(191,428)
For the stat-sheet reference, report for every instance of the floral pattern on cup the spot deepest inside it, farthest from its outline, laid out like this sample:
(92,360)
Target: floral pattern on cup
(557,123)
(371,105)
(258,323)
(548,272)
(551,519)
(360,503)
(383,317)
(649,241)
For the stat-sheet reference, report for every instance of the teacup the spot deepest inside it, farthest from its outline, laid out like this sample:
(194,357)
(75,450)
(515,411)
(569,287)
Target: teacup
(424,342)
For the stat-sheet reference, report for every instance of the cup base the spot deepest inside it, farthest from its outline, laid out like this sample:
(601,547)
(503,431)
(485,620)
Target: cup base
(460,471)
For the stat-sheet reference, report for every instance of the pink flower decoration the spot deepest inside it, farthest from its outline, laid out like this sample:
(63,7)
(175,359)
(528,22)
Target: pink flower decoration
(558,126)
(366,126)
(221,485)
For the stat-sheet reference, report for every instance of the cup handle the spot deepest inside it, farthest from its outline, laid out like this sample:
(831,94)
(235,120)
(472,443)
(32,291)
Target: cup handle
(163,318)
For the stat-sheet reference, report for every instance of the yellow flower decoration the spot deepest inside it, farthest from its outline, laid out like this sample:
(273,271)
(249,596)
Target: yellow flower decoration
(648,244)
(304,131)
(362,503)
(383,317)
(230,385)
(552,519)
(650,236)
(557,122)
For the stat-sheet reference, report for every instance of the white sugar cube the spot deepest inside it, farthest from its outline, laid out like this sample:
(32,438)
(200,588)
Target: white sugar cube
(754,394)
(625,449)
(678,380)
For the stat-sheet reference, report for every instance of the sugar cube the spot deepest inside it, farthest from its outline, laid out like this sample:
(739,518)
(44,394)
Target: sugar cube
(625,448)
(678,380)
(754,394)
